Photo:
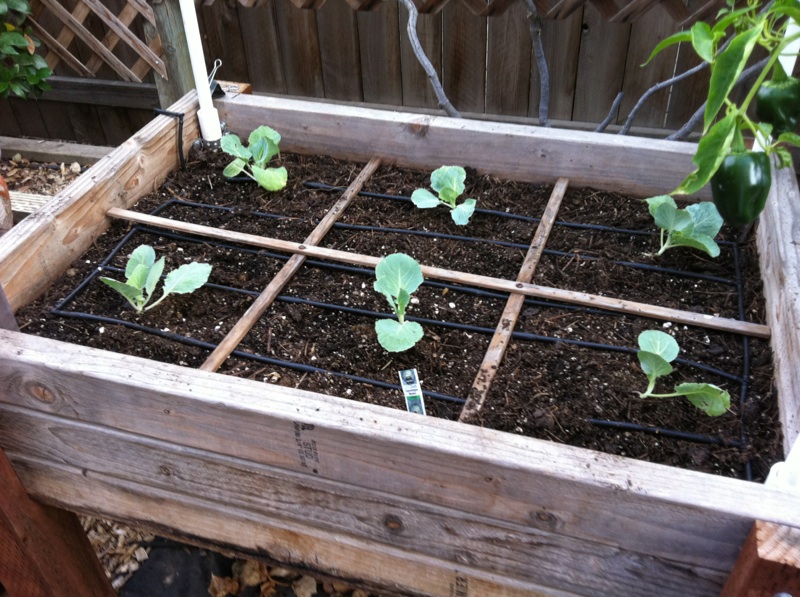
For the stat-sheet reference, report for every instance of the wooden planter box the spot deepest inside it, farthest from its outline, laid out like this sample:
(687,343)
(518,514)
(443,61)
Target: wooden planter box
(389,499)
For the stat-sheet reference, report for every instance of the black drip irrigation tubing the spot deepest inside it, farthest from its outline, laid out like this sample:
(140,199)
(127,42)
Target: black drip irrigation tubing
(471,239)
(701,438)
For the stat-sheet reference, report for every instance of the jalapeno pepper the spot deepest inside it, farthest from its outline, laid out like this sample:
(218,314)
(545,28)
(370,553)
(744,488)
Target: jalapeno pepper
(778,102)
(740,186)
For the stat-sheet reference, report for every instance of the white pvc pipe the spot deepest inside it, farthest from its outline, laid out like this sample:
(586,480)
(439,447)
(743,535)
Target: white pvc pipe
(207,114)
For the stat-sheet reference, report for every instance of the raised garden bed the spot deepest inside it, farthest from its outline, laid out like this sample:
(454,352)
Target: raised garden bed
(391,499)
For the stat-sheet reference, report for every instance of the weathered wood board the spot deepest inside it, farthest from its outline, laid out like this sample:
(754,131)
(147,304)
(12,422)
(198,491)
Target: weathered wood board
(417,505)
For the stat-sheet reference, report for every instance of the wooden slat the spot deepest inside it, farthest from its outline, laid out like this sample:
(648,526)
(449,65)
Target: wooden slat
(563,9)
(65,35)
(80,31)
(222,38)
(627,165)
(779,257)
(284,276)
(261,46)
(63,231)
(379,41)
(30,120)
(299,49)
(57,120)
(144,9)
(508,62)
(169,25)
(355,515)
(337,31)
(688,95)
(122,32)
(102,93)
(27,203)
(464,57)
(58,51)
(687,519)
(557,294)
(508,319)
(417,90)
(38,150)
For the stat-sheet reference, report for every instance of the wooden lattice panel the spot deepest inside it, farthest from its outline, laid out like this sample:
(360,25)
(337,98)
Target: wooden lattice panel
(615,11)
(72,41)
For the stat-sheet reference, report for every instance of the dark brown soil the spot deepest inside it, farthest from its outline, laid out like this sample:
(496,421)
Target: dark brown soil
(546,388)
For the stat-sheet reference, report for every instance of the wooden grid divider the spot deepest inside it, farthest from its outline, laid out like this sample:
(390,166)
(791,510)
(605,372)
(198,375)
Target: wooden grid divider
(119,29)
(290,268)
(711,322)
(508,319)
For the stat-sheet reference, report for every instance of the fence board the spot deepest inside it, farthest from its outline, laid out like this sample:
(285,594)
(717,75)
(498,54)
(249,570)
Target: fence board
(223,39)
(88,128)
(9,126)
(57,120)
(689,94)
(508,65)
(601,66)
(417,91)
(464,57)
(260,41)
(339,51)
(299,48)
(29,118)
(381,71)
(646,32)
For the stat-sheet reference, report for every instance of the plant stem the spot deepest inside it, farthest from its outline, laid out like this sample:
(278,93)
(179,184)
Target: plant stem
(765,71)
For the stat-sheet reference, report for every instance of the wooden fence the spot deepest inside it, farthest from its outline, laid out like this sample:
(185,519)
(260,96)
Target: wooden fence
(109,58)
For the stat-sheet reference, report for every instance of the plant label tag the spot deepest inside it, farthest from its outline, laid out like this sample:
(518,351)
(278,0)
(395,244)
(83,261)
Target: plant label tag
(412,391)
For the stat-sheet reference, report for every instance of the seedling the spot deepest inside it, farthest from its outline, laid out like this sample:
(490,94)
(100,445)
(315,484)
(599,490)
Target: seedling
(696,226)
(252,160)
(448,182)
(397,276)
(658,350)
(143,273)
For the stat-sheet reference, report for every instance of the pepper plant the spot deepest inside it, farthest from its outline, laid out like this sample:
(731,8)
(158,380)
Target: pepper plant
(740,178)
(143,274)
(448,182)
(252,160)
(22,71)
(397,276)
(657,351)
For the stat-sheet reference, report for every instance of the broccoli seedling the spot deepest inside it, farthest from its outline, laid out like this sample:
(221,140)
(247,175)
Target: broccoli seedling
(448,182)
(397,276)
(252,160)
(696,226)
(658,350)
(143,273)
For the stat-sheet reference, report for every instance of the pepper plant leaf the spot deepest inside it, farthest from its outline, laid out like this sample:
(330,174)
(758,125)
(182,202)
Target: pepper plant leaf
(680,37)
(714,401)
(703,41)
(711,150)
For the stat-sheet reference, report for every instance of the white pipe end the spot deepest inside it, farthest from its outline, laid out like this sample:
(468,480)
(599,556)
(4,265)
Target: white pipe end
(209,124)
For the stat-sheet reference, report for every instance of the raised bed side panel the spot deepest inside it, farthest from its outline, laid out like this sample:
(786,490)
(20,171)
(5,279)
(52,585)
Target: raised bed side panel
(628,165)
(779,254)
(105,433)
(41,247)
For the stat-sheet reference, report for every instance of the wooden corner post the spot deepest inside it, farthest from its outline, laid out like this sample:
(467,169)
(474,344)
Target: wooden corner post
(169,26)
(43,550)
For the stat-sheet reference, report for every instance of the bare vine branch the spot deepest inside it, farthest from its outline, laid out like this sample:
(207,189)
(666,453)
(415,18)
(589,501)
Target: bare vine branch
(541,62)
(444,103)
(612,113)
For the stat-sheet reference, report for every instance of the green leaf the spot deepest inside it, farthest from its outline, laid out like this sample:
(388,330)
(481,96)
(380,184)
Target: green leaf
(263,151)
(664,214)
(187,278)
(696,241)
(714,401)
(731,17)
(19,5)
(272,179)
(234,168)
(403,298)
(448,177)
(397,337)
(424,199)
(449,196)
(677,38)
(462,213)
(265,132)
(790,138)
(153,277)
(654,202)
(395,272)
(707,220)
(703,41)
(139,276)
(727,68)
(653,365)
(659,343)
(232,145)
(132,295)
(711,150)
(784,158)
(141,255)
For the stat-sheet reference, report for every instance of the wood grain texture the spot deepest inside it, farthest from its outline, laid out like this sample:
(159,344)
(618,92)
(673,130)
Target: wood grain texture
(337,30)
(222,38)
(53,151)
(629,165)
(508,62)
(486,282)
(379,41)
(464,57)
(656,511)
(688,95)
(417,90)
(779,257)
(355,514)
(260,39)
(44,551)
(169,27)
(38,249)
(299,49)
(768,564)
